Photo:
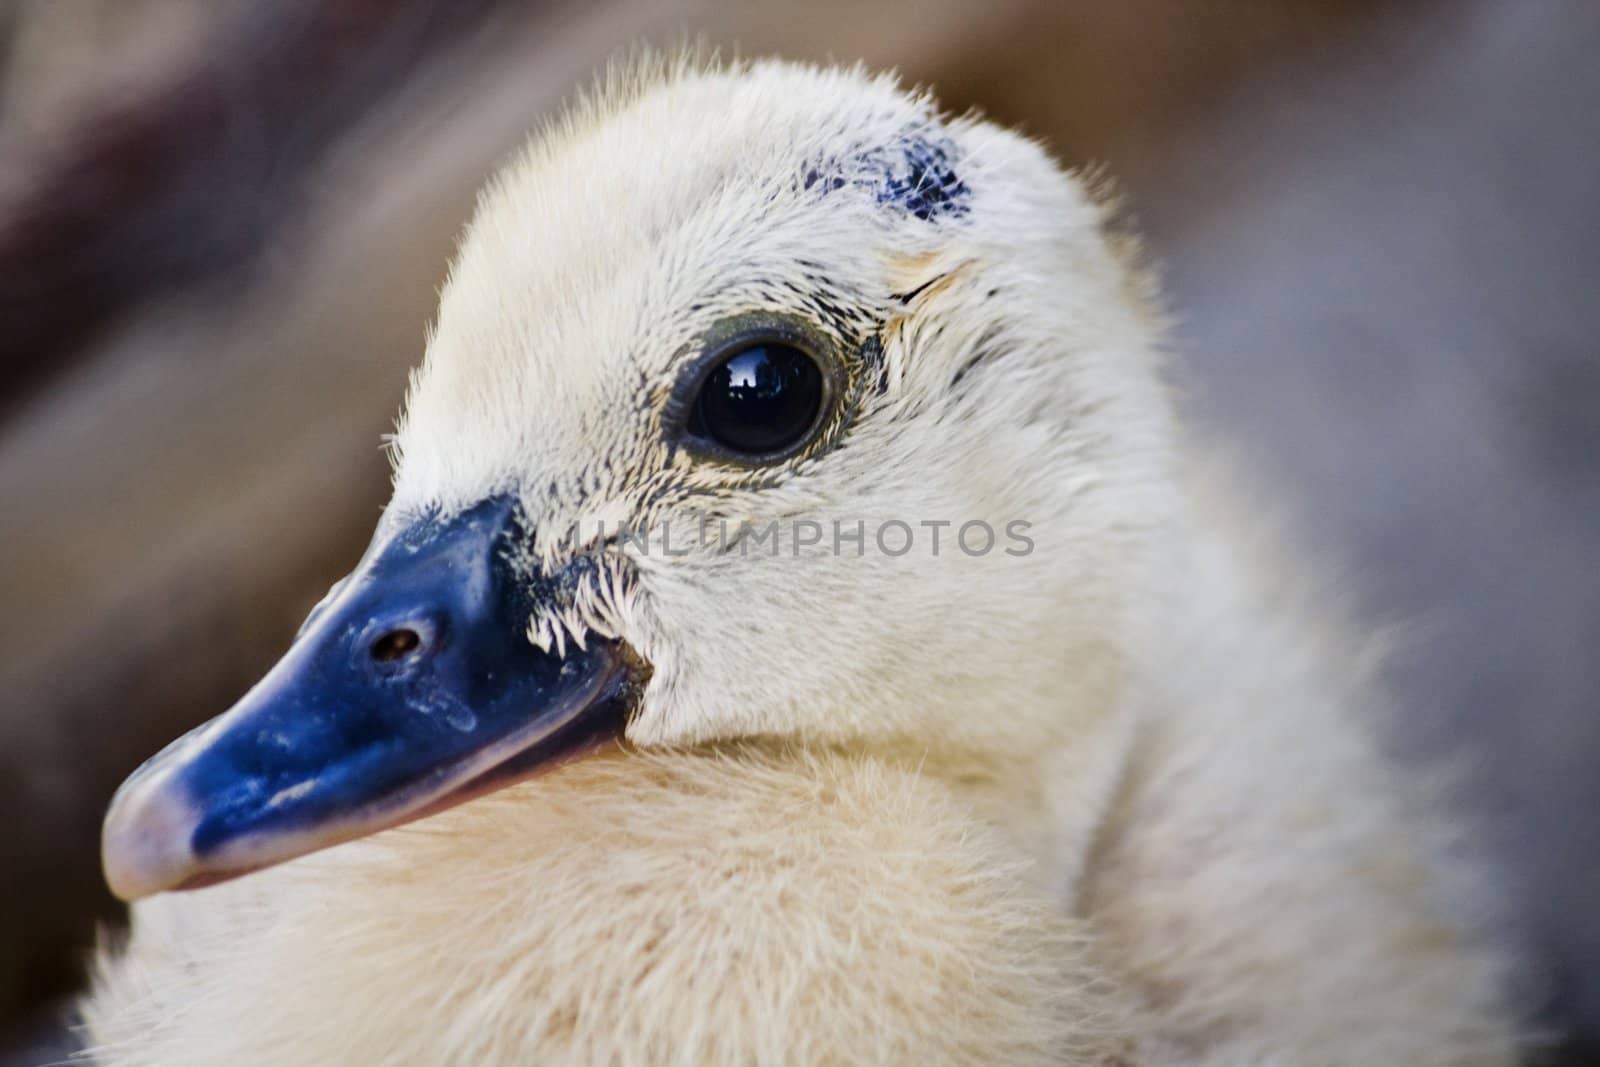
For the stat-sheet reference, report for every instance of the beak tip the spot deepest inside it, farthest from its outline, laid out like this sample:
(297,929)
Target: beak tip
(144,845)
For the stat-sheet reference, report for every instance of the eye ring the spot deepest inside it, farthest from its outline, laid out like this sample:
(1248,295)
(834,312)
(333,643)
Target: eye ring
(773,374)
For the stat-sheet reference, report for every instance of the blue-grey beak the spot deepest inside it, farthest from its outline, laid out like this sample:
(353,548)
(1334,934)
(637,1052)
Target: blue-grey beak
(414,686)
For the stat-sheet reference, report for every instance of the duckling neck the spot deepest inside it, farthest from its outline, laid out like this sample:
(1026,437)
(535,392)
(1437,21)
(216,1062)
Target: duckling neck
(1047,798)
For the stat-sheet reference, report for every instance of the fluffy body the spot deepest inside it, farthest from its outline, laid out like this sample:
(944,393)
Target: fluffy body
(1113,801)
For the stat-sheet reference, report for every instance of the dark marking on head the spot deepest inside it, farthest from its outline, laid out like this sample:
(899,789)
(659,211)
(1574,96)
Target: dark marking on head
(829,183)
(925,183)
(915,173)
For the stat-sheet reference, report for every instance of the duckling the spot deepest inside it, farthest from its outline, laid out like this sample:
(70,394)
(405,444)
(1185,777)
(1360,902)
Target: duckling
(848,655)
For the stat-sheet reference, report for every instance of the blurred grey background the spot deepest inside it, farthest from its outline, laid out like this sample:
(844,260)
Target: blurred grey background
(222,225)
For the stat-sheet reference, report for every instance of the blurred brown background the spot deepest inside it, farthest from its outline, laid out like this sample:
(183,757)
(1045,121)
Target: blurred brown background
(222,225)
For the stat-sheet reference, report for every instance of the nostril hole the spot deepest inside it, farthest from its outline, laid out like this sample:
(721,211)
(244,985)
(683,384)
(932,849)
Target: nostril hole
(395,644)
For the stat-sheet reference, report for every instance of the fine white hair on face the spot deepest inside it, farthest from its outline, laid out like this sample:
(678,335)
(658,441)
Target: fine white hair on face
(1116,799)
(601,258)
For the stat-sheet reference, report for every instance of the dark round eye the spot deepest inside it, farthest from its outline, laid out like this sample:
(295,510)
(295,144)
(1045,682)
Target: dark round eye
(760,400)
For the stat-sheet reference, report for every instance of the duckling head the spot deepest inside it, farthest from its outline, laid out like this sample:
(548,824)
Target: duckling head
(763,402)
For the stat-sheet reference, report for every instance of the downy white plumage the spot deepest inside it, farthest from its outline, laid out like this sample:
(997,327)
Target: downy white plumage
(1105,793)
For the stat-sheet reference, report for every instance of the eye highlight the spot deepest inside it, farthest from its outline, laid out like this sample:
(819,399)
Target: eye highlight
(760,400)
